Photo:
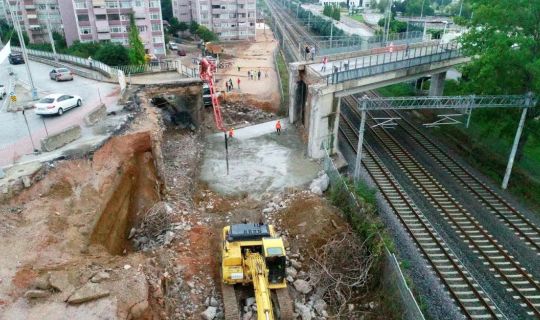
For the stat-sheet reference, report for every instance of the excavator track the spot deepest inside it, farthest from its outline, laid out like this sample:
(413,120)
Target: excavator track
(229,302)
(285,304)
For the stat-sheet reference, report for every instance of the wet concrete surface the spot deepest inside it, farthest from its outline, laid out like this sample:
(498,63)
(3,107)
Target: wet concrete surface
(260,161)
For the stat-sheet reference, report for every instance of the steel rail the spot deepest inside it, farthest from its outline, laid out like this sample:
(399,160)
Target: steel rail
(375,168)
(413,169)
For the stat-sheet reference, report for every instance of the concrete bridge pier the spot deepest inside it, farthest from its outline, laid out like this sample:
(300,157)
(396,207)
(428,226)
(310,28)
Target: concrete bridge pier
(323,122)
(436,87)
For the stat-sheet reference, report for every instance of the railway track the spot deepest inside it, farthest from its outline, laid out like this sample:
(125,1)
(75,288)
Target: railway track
(504,267)
(295,32)
(462,288)
(521,226)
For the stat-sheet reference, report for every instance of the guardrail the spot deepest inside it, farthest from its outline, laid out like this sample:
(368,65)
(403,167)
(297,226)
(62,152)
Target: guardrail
(397,60)
(98,66)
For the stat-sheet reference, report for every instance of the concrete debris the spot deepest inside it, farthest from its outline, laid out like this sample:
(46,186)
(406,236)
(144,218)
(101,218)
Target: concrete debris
(302,286)
(320,184)
(35,294)
(250,301)
(209,313)
(100,276)
(139,310)
(303,311)
(320,306)
(90,291)
(296,264)
(291,271)
(42,282)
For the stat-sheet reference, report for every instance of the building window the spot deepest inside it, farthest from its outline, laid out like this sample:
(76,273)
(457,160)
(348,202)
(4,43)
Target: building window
(155,16)
(80,5)
(157,39)
(44,7)
(85,30)
(125,5)
(154,4)
(156,27)
(142,28)
(124,17)
(216,6)
(111,4)
(82,17)
(139,3)
(121,40)
(101,17)
(113,16)
(117,29)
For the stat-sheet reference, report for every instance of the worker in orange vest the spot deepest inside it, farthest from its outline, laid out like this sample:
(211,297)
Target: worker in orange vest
(231,133)
(278,127)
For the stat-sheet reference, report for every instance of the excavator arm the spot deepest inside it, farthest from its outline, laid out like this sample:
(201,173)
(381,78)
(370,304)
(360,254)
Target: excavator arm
(255,266)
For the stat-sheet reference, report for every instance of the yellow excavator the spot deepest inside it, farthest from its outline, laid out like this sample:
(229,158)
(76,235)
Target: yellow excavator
(253,255)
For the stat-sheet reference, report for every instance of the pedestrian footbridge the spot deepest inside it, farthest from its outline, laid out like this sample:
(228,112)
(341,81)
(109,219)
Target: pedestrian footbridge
(317,88)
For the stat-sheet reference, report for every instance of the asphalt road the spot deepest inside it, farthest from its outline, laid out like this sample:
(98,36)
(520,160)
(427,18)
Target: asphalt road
(14,136)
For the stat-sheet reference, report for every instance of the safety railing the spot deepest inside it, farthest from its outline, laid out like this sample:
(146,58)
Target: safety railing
(392,61)
(355,43)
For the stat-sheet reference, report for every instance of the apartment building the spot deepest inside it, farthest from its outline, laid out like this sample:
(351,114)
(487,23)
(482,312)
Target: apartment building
(35,16)
(101,20)
(229,19)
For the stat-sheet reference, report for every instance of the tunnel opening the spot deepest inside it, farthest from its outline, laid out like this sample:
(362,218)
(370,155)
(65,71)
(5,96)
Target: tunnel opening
(133,191)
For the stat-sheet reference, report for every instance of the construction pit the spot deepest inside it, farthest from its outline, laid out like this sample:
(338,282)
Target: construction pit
(132,230)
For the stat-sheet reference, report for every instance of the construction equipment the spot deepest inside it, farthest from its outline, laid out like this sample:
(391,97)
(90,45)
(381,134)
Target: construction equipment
(254,255)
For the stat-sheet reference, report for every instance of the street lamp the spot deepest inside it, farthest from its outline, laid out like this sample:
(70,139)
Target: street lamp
(50,34)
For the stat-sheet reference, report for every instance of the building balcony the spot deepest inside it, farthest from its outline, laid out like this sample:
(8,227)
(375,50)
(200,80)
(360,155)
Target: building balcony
(100,10)
(31,16)
(102,26)
(104,36)
(30,7)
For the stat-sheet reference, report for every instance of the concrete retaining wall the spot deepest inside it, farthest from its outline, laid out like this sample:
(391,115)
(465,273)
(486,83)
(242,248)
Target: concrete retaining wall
(60,139)
(97,114)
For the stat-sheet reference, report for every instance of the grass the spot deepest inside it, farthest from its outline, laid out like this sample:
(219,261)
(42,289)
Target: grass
(397,90)
(357,17)
(284,76)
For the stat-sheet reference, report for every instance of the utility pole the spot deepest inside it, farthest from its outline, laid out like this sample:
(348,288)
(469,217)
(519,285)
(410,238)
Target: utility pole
(528,103)
(308,19)
(50,36)
(461,8)
(17,27)
(331,31)
(422,10)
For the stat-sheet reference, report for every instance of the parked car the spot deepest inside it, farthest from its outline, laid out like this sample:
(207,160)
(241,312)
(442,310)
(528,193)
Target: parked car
(181,52)
(59,74)
(173,46)
(15,58)
(2,91)
(57,104)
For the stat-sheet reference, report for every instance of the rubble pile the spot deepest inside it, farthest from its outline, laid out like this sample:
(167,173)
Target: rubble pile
(242,115)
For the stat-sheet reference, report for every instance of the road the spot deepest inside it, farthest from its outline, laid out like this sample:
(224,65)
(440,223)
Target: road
(14,136)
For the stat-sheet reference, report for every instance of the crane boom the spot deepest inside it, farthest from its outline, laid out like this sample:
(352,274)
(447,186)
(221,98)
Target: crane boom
(206,72)
(256,268)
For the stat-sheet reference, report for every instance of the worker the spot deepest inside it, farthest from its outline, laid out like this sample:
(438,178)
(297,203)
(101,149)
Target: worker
(231,133)
(238,82)
(238,68)
(278,127)
(324,62)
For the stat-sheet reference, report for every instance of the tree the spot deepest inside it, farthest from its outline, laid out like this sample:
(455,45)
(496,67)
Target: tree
(504,43)
(205,34)
(136,47)
(193,27)
(166,10)
(112,54)
(59,41)
(327,10)
(382,5)
(336,14)
(83,49)
(414,8)
(182,26)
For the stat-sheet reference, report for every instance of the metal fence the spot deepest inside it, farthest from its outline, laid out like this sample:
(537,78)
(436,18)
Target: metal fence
(156,66)
(100,67)
(393,278)
(368,66)
(337,45)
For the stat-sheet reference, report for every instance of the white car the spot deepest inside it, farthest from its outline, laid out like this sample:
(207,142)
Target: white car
(57,104)
(173,46)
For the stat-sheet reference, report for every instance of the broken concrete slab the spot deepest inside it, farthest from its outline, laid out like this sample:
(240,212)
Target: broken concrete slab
(60,139)
(90,291)
(97,114)
(34,294)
